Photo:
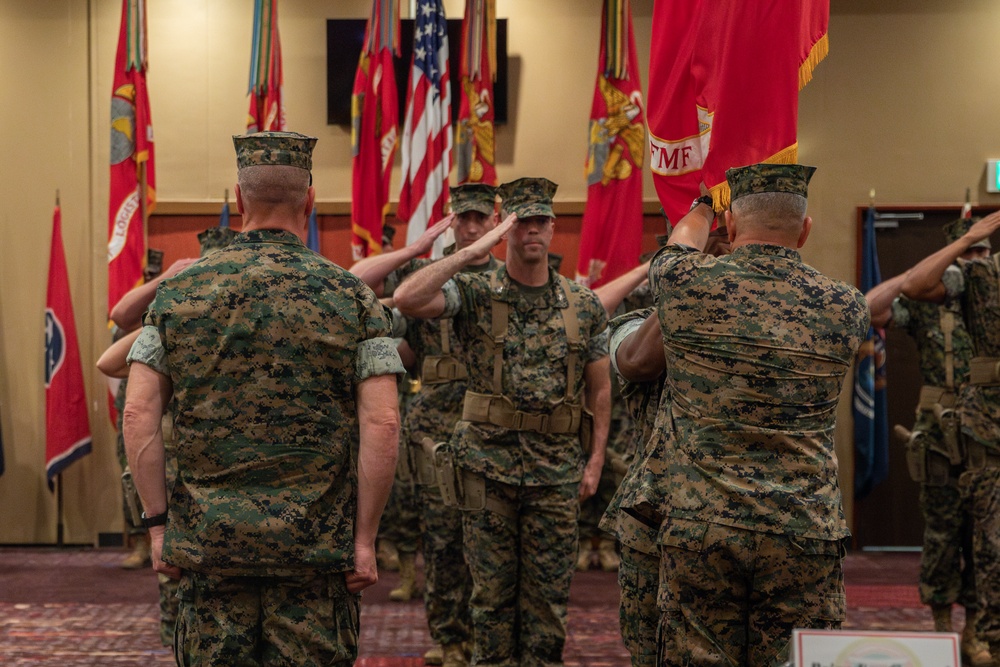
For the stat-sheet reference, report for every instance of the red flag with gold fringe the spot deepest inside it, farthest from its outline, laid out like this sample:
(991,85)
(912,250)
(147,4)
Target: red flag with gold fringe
(132,170)
(724,86)
(374,128)
(611,235)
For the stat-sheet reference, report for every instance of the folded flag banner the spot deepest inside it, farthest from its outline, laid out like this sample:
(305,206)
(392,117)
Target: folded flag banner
(611,235)
(267,112)
(67,429)
(724,85)
(374,127)
(426,144)
(475,142)
(133,182)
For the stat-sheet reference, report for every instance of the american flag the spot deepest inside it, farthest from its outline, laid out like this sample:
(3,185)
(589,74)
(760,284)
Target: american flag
(427,129)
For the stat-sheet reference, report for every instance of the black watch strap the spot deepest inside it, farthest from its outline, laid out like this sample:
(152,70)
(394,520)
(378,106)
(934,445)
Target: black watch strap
(704,199)
(155,520)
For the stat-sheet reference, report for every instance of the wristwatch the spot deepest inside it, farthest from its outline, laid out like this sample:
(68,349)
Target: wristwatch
(704,199)
(155,520)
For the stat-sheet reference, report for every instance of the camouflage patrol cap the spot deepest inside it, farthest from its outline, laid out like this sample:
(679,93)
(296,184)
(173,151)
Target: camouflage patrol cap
(478,197)
(765,177)
(274,148)
(956,229)
(528,197)
(215,238)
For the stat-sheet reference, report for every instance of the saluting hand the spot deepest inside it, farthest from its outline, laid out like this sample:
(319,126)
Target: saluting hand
(492,238)
(984,228)
(425,241)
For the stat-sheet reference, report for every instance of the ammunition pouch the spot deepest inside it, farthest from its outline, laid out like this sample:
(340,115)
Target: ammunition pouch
(499,411)
(916,456)
(978,457)
(938,469)
(464,489)
(941,401)
(420,455)
(441,370)
(132,500)
(984,371)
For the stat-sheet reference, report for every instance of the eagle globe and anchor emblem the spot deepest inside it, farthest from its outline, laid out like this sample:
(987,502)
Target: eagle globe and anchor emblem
(55,345)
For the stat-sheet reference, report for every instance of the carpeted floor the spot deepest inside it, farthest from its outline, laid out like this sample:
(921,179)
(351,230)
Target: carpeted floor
(77,607)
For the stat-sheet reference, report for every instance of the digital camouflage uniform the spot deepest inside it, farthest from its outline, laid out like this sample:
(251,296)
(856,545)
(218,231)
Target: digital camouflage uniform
(522,567)
(433,413)
(978,284)
(265,342)
(757,345)
(638,575)
(946,571)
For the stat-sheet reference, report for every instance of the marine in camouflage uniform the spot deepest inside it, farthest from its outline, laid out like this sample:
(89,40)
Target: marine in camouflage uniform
(282,377)
(977,283)
(521,548)
(757,347)
(640,557)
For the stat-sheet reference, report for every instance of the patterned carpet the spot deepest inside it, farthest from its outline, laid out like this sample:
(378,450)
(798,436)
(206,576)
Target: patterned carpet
(76,607)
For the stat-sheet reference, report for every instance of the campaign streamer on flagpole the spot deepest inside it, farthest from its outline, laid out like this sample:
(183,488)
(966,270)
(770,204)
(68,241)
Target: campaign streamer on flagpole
(475,141)
(724,85)
(611,235)
(131,157)
(426,143)
(267,110)
(67,429)
(374,127)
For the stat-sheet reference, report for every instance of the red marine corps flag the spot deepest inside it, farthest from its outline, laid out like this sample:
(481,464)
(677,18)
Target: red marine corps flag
(475,145)
(267,113)
(67,430)
(133,190)
(427,129)
(611,236)
(713,108)
(374,121)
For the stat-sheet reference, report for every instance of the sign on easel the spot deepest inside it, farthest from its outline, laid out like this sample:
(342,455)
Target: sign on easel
(837,648)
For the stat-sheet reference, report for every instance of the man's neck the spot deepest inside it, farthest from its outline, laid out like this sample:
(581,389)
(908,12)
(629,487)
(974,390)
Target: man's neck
(532,275)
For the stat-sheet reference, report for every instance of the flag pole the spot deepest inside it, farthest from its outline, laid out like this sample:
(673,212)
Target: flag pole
(59,488)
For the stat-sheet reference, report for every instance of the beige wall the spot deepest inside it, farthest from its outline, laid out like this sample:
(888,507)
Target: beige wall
(905,103)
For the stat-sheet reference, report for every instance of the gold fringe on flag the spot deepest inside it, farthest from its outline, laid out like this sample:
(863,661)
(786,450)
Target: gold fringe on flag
(816,54)
(722,197)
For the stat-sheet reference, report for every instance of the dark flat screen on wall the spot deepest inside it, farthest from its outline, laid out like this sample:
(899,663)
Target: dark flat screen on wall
(344,38)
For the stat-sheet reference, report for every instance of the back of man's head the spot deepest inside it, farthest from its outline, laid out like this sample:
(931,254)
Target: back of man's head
(771,211)
(274,186)
(769,202)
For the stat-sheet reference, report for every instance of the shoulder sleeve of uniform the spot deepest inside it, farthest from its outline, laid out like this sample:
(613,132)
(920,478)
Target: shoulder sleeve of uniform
(148,349)
(399,324)
(596,324)
(455,295)
(619,333)
(376,354)
(900,312)
(954,281)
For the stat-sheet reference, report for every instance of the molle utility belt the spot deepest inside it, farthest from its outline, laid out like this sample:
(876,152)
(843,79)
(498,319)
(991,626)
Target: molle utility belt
(941,402)
(464,489)
(979,457)
(568,415)
(445,367)
(420,458)
(984,371)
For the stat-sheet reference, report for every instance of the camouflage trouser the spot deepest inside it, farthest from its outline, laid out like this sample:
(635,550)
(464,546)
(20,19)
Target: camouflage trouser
(984,486)
(521,573)
(448,583)
(168,608)
(638,577)
(294,621)
(733,597)
(946,571)
(400,522)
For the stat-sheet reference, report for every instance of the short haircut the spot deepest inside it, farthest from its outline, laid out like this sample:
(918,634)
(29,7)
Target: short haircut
(274,185)
(774,211)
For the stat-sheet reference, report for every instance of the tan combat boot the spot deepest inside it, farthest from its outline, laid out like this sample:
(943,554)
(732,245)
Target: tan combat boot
(140,556)
(407,579)
(434,656)
(942,617)
(387,556)
(974,650)
(583,555)
(607,556)
(454,656)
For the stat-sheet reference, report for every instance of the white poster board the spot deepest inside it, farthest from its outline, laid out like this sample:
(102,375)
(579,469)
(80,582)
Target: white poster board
(837,648)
